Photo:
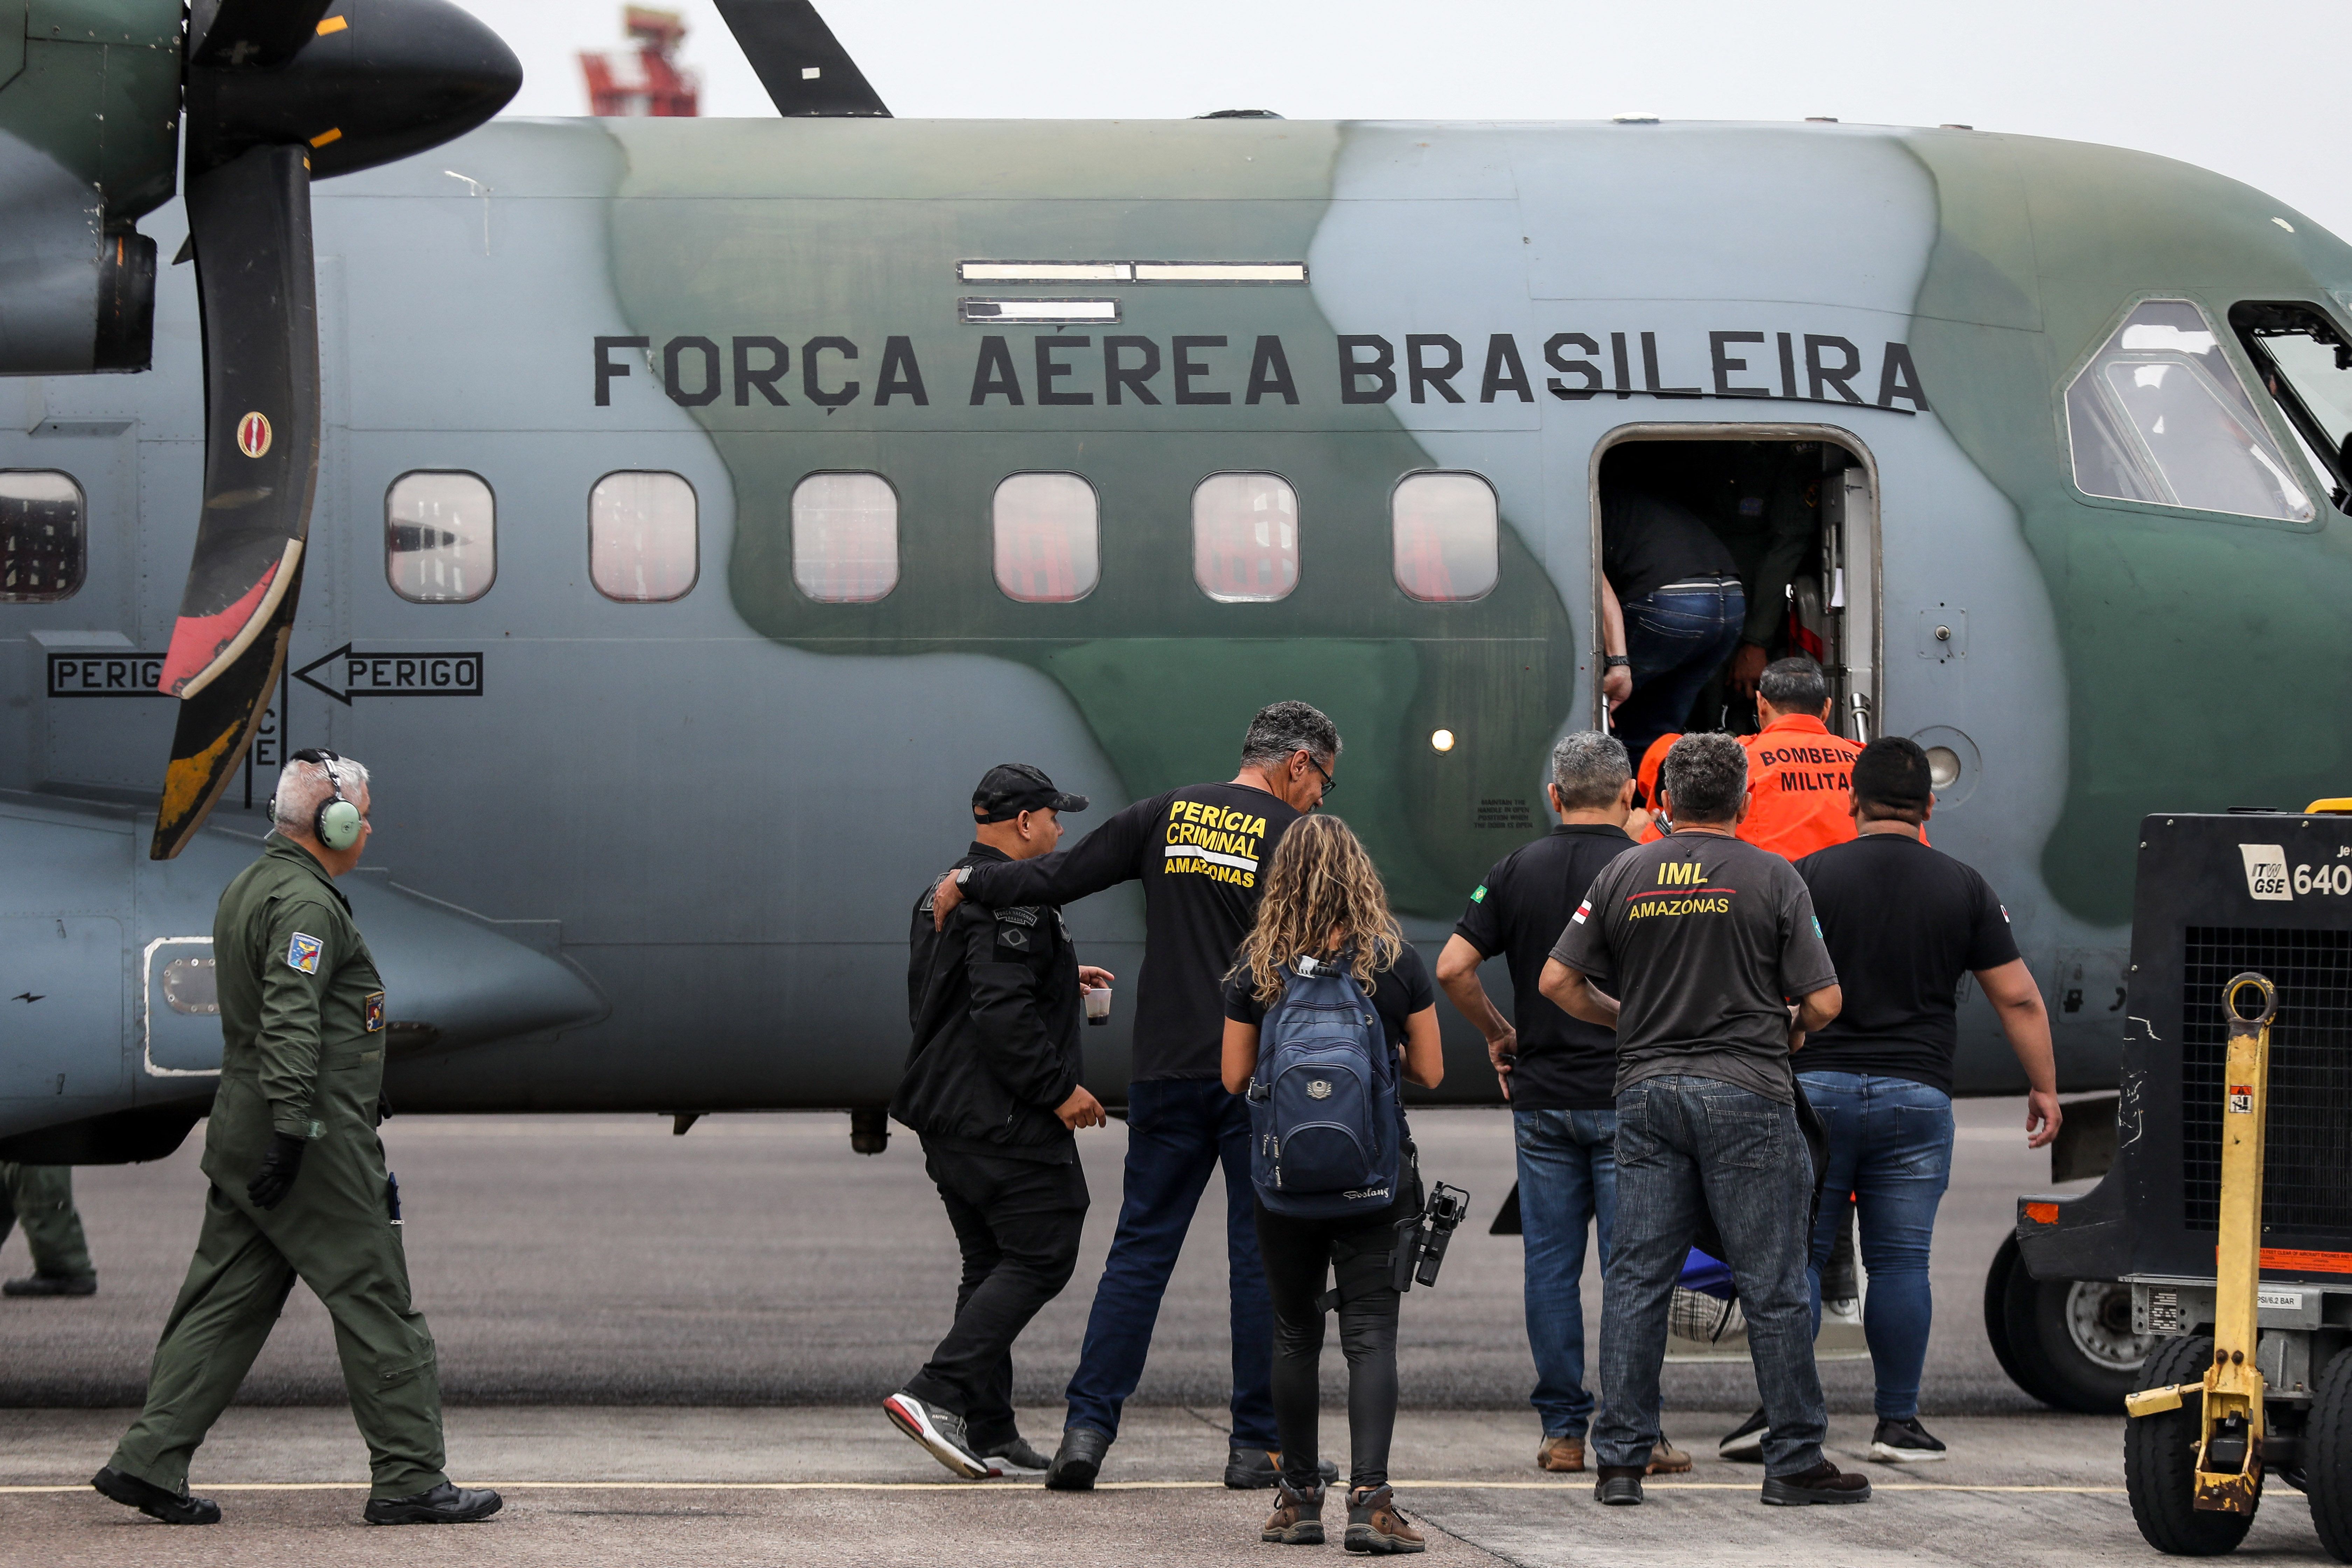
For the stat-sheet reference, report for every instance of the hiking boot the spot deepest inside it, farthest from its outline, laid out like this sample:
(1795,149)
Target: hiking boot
(1823,1483)
(1745,1441)
(1258,1469)
(52,1285)
(1298,1517)
(1904,1443)
(1078,1461)
(1376,1526)
(1619,1485)
(1562,1455)
(172,1508)
(1014,1457)
(939,1430)
(444,1504)
(1666,1460)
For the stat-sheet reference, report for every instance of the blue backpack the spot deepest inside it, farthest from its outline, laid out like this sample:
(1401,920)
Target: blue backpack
(1325,1119)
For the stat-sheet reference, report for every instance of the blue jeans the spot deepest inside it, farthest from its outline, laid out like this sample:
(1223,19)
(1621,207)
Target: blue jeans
(1676,637)
(1891,1147)
(1178,1130)
(1568,1178)
(1688,1145)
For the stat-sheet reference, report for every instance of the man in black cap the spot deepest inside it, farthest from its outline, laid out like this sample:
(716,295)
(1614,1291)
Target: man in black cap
(992,1085)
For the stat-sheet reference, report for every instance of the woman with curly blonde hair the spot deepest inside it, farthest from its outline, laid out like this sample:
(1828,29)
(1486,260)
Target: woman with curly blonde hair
(1324,901)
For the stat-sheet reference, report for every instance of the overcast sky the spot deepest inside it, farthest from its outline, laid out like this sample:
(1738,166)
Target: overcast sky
(2242,87)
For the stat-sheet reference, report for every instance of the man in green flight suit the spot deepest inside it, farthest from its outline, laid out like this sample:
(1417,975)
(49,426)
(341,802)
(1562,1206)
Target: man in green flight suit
(299,1186)
(41,1198)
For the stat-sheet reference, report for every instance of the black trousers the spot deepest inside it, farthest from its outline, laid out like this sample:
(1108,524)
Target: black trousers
(1017,1223)
(1298,1255)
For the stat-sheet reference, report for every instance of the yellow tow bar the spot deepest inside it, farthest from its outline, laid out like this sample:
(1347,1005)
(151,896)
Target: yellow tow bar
(2229,1451)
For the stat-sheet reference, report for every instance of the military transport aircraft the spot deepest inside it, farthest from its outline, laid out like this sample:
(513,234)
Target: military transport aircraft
(679,515)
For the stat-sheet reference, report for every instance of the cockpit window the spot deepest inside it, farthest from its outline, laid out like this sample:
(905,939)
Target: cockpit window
(440,537)
(2304,363)
(2159,415)
(42,542)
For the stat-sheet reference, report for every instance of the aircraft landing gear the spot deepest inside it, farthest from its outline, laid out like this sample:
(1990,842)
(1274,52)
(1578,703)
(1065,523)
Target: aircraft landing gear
(2068,1342)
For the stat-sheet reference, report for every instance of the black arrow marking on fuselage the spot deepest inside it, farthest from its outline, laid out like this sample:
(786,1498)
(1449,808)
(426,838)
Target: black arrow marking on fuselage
(393,674)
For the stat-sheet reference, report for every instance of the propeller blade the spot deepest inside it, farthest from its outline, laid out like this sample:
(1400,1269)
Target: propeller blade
(250,219)
(216,726)
(806,71)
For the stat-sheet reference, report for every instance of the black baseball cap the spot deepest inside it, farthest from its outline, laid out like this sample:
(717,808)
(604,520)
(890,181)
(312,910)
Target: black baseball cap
(1011,788)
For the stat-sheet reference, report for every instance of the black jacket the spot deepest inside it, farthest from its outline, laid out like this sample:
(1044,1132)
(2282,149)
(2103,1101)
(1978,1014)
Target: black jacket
(993,1001)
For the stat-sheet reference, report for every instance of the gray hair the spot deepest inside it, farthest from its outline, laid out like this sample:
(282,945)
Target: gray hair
(1282,728)
(1705,778)
(1588,768)
(1794,685)
(303,787)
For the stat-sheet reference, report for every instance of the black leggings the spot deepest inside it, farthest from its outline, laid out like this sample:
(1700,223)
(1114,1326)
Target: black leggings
(1298,1255)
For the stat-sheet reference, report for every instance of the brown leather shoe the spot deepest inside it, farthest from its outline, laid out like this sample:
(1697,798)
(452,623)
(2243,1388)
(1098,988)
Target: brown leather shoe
(1376,1525)
(1666,1460)
(1297,1518)
(1563,1455)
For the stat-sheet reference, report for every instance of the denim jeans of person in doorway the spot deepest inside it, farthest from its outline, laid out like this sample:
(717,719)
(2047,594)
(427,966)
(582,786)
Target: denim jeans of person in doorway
(1568,1181)
(1676,637)
(1688,1145)
(1178,1131)
(1891,1147)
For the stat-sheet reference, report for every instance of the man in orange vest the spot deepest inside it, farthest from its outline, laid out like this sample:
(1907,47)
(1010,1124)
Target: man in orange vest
(1800,775)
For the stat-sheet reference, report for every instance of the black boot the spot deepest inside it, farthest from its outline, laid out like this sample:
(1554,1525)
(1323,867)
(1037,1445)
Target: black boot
(1078,1460)
(444,1504)
(172,1508)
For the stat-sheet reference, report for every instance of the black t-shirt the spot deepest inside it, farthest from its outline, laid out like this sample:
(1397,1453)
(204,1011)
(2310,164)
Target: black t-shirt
(1648,542)
(1396,994)
(1706,939)
(1200,852)
(1903,923)
(1519,912)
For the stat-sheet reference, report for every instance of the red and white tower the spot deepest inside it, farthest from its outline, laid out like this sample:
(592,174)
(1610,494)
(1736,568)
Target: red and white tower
(645,81)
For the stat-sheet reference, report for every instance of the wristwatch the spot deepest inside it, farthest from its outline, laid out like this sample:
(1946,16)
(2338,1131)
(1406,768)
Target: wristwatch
(1615,661)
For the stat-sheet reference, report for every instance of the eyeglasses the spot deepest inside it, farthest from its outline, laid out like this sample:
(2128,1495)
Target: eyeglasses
(1330,785)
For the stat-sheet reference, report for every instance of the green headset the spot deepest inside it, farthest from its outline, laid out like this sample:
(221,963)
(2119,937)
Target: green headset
(337,823)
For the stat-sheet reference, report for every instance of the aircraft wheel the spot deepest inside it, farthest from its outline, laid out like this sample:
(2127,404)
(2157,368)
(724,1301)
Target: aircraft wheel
(1996,1313)
(2160,1462)
(2071,1340)
(2328,1458)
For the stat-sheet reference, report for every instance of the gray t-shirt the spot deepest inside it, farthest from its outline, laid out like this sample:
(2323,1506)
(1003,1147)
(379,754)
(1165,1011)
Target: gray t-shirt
(1704,940)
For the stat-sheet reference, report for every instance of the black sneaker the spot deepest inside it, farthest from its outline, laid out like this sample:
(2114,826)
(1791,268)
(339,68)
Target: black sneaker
(940,1431)
(1745,1441)
(172,1508)
(1255,1469)
(1078,1460)
(1823,1483)
(444,1504)
(1619,1485)
(1904,1443)
(1014,1457)
(52,1285)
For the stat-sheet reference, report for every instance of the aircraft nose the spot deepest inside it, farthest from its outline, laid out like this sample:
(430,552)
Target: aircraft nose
(451,981)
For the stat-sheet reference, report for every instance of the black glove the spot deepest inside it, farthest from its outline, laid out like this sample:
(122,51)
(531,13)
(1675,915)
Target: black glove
(278,1168)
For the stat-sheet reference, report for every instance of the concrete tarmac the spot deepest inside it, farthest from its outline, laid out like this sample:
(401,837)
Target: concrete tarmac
(670,1349)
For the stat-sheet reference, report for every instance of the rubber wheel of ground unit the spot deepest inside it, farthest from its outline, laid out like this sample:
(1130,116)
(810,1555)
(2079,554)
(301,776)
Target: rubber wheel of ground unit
(2327,1456)
(2068,1342)
(2160,1462)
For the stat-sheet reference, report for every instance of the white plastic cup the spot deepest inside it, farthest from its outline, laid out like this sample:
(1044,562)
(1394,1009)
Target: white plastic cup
(1097,1000)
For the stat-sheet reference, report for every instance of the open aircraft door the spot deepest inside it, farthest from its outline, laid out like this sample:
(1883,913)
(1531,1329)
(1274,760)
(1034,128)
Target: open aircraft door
(1848,591)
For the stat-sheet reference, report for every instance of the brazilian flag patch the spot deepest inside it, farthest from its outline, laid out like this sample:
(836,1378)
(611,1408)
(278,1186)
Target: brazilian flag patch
(1479,894)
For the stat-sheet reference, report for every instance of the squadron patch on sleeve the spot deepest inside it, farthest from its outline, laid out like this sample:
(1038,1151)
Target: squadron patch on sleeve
(374,1005)
(303,952)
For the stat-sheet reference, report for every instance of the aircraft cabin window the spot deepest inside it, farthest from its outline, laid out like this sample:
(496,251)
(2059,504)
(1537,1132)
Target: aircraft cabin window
(2159,415)
(440,537)
(43,547)
(1246,538)
(1048,538)
(1444,531)
(642,543)
(844,538)
(2305,365)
